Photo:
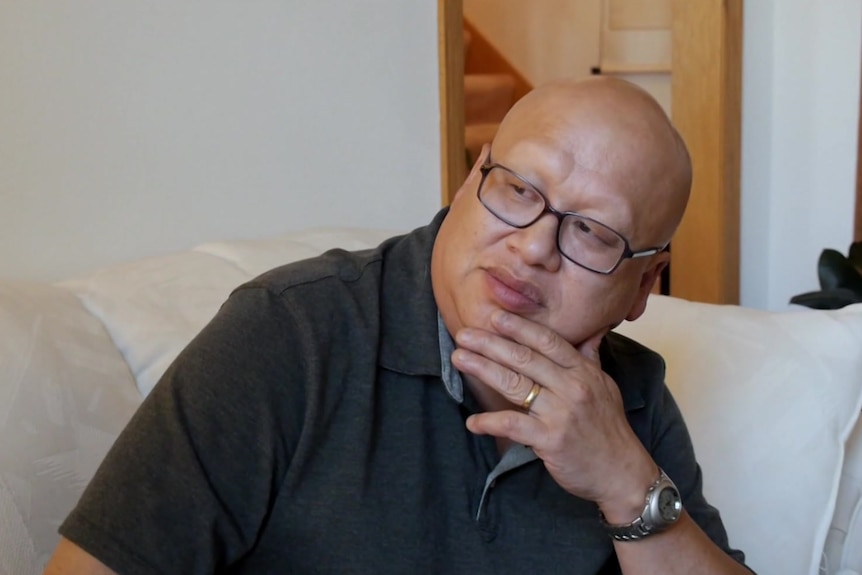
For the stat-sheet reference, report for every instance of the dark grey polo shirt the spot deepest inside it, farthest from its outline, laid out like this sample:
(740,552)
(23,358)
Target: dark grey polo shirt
(307,429)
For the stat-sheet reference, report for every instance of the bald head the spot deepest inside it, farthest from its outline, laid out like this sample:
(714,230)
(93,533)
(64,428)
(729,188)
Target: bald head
(602,148)
(612,126)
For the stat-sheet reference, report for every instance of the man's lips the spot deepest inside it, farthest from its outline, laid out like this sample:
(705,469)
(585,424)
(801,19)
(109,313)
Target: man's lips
(513,293)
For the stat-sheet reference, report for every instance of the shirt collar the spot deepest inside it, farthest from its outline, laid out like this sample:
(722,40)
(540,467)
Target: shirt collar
(451,377)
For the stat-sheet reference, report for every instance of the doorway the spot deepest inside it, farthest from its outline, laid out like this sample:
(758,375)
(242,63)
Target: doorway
(706,91)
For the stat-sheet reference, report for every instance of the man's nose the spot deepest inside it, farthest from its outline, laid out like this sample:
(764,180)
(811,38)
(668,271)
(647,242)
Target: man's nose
(537,243)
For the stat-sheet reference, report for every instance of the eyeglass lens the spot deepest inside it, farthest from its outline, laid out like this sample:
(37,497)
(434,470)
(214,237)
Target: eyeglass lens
(585,241)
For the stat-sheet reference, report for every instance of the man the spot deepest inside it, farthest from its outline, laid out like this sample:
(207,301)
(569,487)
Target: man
(326,422)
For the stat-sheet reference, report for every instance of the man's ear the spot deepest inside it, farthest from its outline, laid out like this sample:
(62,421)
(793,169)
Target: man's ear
(474,174)
(647,281)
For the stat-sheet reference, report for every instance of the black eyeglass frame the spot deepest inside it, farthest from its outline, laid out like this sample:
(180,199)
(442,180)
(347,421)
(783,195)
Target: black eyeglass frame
(627,253)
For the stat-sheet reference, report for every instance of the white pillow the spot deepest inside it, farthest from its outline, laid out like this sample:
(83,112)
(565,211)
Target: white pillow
(65,394)
(153,307)
(770,399)
(257,256)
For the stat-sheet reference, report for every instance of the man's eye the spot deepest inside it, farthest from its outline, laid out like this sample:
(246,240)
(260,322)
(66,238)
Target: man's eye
(520,192)
(584,227)
(594,232)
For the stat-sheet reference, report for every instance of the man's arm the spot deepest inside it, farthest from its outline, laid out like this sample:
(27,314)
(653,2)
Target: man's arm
(69,559)
(684,548)
(204,466)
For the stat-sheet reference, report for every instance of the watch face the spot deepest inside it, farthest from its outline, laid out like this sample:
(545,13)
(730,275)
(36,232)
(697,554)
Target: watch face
(669,504)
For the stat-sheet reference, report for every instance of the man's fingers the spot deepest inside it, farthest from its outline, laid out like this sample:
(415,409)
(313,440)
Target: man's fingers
(513,425)
(512,385)
(506,366)
(543,340)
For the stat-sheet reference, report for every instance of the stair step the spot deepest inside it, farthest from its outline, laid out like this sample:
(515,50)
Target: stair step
(487,97)
(467,39)
(476,136)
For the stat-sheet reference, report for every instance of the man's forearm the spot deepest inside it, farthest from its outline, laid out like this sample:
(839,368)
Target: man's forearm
(682,549)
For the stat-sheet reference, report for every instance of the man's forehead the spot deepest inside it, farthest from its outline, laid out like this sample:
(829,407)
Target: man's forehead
(551,163)
(567,183)
(594,145)
(534,158)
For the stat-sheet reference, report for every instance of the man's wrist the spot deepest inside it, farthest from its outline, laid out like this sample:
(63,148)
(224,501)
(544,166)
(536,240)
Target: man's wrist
(661,509)
(627,502)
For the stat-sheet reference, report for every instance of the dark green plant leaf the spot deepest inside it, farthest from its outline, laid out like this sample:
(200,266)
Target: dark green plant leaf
(836,272)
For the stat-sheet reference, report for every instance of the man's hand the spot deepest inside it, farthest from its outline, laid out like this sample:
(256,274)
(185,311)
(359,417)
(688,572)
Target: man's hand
(576,424)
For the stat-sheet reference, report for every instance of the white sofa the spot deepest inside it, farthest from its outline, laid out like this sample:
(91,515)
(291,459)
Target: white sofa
(771,399)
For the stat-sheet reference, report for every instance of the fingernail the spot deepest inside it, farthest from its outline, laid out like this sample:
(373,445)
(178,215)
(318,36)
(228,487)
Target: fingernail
(463,359)
(464,336)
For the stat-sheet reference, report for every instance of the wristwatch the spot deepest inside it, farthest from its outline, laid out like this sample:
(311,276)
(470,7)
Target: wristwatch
(663,508)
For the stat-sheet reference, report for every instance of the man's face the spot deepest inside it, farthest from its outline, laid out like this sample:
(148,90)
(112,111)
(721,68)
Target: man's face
(481,264)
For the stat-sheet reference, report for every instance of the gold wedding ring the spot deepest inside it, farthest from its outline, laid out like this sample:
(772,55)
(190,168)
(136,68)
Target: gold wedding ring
(531,397)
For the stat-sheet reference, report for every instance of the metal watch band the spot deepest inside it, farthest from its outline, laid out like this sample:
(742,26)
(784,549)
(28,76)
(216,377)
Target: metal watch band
(647,523)
(629,532)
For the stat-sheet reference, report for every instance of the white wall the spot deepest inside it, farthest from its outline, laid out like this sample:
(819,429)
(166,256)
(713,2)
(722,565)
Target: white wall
(134,128)
(800,121)
(543,39)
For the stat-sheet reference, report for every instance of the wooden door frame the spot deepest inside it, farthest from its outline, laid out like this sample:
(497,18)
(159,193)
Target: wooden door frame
(450,47)
(706,106)
(857,219)
(706,78)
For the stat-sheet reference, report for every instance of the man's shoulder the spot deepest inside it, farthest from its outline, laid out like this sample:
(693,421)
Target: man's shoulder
(315,300)
(332,270)
(624,347)
(638,370)
(362,272)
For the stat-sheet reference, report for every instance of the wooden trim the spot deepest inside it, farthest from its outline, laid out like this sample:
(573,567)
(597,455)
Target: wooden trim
(484,58)
(450,46)
(857,227)
(638,14)
(707,110)
(614,68)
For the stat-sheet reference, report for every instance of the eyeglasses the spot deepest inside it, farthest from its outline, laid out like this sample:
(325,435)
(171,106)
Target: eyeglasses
(582,240)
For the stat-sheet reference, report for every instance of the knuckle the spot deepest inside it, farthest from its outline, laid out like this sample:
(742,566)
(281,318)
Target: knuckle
(521,355)
(512,382)
(580,392)
(548,342)
(509,423)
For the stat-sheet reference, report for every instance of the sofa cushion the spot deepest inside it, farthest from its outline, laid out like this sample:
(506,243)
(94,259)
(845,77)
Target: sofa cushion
(257,256)
(153,307)
(65,394)
(844,542)
(770,399)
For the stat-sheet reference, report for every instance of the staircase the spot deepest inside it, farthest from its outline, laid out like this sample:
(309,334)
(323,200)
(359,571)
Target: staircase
(491,87)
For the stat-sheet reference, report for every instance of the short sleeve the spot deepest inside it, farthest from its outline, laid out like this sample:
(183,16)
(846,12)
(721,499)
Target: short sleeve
(187,485)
